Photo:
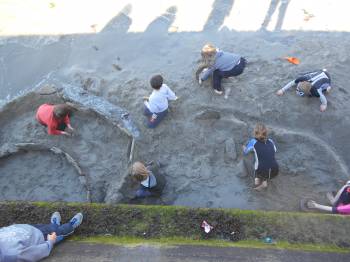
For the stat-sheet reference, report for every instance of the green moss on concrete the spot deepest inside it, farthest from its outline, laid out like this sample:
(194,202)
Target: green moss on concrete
(154,222)
(176,241)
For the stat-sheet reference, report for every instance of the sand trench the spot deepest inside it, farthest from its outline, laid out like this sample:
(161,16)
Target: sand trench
(81,168)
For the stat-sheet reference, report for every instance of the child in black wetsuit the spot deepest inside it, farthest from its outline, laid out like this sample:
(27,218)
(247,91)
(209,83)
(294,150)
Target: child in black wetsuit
(264,149)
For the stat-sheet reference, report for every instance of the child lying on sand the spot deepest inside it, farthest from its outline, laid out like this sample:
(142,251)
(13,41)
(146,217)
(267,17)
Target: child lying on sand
(340,202)
(311,84)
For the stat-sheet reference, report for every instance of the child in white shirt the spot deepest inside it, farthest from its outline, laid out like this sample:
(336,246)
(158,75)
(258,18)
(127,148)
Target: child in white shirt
(156,106)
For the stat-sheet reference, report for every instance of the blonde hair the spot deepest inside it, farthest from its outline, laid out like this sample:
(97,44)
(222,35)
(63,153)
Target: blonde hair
(260,132)
(305,87)
(139,171)
(208,54)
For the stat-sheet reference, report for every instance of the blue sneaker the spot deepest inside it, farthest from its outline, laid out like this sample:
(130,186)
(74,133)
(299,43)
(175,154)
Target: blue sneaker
(76,220)
(56,218)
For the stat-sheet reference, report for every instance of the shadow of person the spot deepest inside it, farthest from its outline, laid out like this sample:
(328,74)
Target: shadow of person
(162,23)
(121,22)
(281,14)
(221,9)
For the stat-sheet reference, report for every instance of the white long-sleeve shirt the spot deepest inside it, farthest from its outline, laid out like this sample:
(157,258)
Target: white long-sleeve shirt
(158,100)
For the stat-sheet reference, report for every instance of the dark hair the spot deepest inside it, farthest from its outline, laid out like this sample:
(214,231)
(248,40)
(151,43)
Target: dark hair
(62,110)
(156,82)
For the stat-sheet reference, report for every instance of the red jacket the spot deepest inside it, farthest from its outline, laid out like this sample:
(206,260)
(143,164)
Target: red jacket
(46,117)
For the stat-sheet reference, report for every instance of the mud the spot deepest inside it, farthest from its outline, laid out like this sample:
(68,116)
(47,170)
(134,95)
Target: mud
(200,140)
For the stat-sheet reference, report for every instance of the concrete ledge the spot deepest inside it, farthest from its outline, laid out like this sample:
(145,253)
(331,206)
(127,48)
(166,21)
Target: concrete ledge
(170,221)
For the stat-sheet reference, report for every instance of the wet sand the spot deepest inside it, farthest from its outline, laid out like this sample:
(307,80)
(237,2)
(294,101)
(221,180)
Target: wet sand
(201,149)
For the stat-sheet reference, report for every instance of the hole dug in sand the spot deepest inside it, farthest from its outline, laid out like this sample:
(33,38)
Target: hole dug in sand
(58,168)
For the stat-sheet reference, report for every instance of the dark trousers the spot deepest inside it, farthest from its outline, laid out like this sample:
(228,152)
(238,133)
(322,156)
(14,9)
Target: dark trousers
(158,117)
(61,231)
(143,192)
(235,71)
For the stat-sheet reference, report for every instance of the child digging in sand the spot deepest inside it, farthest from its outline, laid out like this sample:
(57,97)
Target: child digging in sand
(220,64)
(264,149)
(56,118)
(311,84)
(151,181)
(156,106)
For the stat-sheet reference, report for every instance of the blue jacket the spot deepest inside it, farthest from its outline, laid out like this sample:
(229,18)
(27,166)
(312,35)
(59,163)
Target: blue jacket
(22,242)
(224,61)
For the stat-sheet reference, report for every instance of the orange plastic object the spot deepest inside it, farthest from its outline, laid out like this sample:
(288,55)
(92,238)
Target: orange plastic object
(292,60)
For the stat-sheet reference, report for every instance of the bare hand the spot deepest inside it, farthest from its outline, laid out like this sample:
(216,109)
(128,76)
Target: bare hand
(52,237)
(146,98)
(66,133)
(280,92)
(323,108)
(70,128)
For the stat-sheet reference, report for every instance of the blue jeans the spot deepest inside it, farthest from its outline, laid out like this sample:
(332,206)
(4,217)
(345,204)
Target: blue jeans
(61,231)
(150,122)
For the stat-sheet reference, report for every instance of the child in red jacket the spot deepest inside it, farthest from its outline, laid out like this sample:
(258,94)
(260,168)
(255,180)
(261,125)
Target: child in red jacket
(55,117)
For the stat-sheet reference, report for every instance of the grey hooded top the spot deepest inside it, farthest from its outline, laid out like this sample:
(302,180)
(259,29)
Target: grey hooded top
(22,242)
(224,61)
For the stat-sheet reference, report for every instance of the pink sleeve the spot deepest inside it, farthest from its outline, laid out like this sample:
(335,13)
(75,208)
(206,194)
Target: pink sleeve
(344,209)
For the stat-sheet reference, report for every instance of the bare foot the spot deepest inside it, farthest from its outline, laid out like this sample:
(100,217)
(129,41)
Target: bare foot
(262,186)
(257,181)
